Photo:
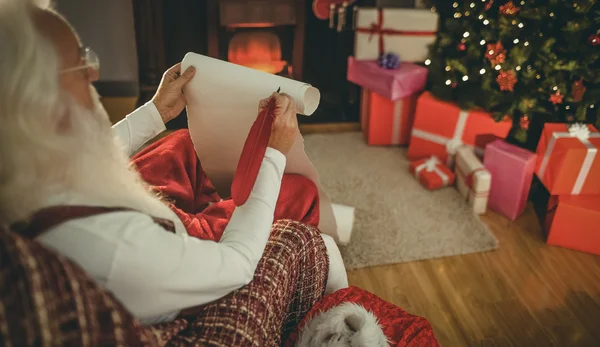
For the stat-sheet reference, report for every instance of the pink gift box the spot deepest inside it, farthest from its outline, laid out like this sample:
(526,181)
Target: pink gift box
(392,84)
(512,170)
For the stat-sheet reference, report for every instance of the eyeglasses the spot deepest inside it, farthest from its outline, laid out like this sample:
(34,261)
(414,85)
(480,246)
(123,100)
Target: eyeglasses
(89,57)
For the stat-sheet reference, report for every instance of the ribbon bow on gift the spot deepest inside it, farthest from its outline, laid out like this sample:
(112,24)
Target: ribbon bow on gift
(580,131)
(453,145)
(431,163)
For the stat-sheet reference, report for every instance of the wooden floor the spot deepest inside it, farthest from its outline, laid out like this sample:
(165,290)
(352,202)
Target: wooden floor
(526,293)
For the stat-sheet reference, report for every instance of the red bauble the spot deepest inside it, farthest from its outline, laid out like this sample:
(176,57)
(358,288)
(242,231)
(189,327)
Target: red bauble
(556,98)
(506,80)
(577,90)
(321,7)
(495,53)
(489,4)
(509,9)
(524,122)
(461,46)
(594,40)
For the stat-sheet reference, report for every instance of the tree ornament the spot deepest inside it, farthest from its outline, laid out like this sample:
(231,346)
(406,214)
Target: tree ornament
(577,90)
(556,98)
(594,39)
(509,9)
(461,47)
(489,4)
(506,80)
(495,53)
(524,122)
(389,61)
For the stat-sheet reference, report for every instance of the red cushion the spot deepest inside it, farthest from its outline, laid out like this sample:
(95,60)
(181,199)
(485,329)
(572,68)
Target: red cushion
(400,327)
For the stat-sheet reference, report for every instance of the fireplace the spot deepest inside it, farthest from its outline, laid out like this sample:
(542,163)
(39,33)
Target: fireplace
(266,35)
(269,35)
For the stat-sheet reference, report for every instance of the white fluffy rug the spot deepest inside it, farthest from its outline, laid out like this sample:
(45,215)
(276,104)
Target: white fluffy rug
(397,220)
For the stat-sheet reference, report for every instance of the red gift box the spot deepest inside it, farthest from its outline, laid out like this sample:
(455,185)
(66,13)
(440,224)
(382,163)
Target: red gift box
(568,160)
(441,128)
(386,122)
(432,173)
(572,221)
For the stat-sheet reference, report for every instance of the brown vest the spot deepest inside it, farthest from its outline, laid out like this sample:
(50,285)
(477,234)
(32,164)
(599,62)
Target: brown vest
(49,217)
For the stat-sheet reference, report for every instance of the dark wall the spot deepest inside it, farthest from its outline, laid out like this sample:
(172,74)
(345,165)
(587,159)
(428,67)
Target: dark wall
(107,27)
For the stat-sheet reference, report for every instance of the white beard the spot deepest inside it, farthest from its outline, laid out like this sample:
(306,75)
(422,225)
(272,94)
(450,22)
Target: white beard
(101,171)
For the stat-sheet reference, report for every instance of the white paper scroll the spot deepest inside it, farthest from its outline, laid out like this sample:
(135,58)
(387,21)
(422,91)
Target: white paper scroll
(222,104)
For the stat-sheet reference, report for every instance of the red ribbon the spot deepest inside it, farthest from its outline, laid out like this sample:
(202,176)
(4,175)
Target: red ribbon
(377,28)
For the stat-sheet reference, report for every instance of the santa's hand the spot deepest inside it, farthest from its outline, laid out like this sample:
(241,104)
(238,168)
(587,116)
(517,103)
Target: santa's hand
(285,124)
(169,99)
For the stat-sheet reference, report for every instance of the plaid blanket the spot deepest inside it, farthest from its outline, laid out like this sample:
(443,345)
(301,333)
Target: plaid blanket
(45,300)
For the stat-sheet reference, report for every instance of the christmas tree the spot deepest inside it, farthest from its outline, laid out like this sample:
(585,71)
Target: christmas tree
(534,61)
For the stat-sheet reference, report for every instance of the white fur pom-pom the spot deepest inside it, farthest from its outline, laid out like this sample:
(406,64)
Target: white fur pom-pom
(348,324)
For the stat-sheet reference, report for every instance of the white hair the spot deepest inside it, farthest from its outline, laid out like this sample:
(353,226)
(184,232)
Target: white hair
(49,144)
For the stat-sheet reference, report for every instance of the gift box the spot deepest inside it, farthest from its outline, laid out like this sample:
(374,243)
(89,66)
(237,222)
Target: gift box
(569,221)
(386,122)
(441,128)
(432,173)
(405,32)
(393,84)
(472,179)
(568,162)
(512,169)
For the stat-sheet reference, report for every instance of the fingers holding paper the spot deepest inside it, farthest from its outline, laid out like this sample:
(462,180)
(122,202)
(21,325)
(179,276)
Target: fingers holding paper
(285,124)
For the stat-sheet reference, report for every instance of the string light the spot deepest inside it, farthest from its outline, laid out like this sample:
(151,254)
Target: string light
(482,42)
(567,107)
(472,5)
(433,9)
(448,82)
(482,71)
(518,68)
(455,5)
(538,76)
(497,67)
(467,13)
(526,43)
(551,14)
(486,22)
(427,62)
(447,67)
(520,25)
(541,34)
(466,34)
(457,15)
(465,78)
(592,106)
(514,22)
(480,16)
(516,41)
(491,52)
(555,88)
(522,2)
(528,67)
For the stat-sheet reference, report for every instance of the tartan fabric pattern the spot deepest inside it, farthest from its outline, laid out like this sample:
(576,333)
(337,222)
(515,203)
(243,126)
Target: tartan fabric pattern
(289,280)
(45,300)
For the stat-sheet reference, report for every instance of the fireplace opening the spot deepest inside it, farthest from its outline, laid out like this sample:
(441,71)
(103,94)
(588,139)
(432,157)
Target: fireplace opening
(266,35)
(267,49)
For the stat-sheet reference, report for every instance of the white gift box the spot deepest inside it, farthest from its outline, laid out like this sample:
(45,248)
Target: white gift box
(472,179)
(406,32)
